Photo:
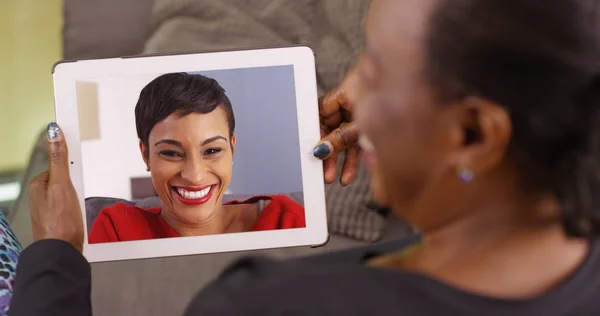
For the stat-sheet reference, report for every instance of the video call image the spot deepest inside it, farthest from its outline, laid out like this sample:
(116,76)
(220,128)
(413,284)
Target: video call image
(190,154)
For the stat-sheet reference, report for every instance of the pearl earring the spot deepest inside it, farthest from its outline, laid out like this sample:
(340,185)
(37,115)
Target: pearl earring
(465,175)
(148,169)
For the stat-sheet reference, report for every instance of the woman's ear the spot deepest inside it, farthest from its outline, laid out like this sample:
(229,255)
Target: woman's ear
(487,130)
(144,151)
(232,143)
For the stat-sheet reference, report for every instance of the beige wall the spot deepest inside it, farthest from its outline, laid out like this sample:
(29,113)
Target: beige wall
(30,43)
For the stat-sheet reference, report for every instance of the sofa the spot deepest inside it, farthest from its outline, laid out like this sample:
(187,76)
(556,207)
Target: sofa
(113,28)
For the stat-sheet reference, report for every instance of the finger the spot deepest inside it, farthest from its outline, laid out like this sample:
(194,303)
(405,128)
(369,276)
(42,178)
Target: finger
(332,102)
(58,155)
(325,130)
(340,139)
(330,169)
(334,120)
(39,184)
(329,165)
(347,116)
(337,98)
(350,165)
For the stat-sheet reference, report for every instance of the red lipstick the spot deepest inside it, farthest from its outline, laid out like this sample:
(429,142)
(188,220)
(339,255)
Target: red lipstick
(193,195)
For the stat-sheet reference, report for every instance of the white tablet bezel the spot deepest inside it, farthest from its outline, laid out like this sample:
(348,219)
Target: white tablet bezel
(67,74)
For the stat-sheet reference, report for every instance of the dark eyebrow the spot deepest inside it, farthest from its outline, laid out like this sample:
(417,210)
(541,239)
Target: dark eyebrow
(179,144)
(212,139)
(169,141)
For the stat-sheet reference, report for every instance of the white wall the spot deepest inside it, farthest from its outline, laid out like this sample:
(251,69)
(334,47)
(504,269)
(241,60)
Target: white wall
(110,162)
(267,158)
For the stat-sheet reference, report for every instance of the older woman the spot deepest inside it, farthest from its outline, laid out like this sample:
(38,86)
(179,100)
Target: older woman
(186,125)
(479,122)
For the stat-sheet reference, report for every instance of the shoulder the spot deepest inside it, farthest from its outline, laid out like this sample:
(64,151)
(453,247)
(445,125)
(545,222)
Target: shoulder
(288,207)
(285,204)
(279,213)
(283,199)
(247,286)
(121,222)
(120,210)
(122,216)
(259,285)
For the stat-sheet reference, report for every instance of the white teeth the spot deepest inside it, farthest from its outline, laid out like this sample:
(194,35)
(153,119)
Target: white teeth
(193,195)
(365,143)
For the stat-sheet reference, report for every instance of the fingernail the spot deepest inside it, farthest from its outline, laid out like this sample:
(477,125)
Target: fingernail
(345,180)
(322,150)
(53,131)
(331,174)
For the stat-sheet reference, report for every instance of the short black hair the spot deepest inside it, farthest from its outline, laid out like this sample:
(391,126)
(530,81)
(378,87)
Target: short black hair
(540,60)
(180,93)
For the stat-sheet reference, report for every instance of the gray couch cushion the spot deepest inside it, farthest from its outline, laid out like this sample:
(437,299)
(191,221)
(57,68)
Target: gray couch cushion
(105,28)
(331,27)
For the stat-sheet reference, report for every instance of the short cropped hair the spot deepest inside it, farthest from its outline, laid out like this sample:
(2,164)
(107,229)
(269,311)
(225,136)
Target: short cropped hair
(180,93)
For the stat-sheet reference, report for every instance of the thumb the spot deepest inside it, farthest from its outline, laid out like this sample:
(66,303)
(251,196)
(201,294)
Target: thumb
(58,155)
(39,184)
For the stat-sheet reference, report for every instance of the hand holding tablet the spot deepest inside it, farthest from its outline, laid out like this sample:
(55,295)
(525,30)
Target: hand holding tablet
(339,134)
(54,204)
(196,153)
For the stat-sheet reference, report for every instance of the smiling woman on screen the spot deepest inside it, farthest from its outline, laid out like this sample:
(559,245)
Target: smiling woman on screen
(186,124)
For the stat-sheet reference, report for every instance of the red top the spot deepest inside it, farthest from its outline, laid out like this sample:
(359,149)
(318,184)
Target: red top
(122,222)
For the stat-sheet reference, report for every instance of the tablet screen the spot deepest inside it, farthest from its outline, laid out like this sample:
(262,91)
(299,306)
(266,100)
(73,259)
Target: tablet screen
(190,153)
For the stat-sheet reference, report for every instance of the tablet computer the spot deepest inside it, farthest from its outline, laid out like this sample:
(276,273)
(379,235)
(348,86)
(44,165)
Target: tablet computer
(194,153)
